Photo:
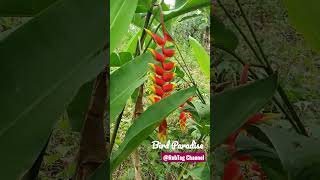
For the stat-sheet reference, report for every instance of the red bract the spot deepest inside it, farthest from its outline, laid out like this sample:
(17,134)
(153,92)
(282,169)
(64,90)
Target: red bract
(255,118)
(157,69)
(168,87)
(183,121)
(157,80)
(156,38)
(162,134)
(232,171)
(168,77)
(167,37)
(157,91)
(154,99)
(168,52)
(157,56)
(168,66)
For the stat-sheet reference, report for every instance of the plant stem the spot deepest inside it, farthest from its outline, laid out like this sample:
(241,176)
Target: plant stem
(254,37)
(239,59)
(269,68)
(256,77)
(285,113)
(240,31)
(190,75)
(115,130)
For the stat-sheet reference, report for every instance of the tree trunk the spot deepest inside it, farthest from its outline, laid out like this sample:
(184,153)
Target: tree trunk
(135,157)
(93,147)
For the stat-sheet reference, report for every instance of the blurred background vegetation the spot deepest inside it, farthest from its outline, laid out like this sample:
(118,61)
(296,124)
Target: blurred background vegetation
(298,65)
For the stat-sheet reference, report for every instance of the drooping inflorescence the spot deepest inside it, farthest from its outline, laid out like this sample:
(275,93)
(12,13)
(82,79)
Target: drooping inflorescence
(163,76)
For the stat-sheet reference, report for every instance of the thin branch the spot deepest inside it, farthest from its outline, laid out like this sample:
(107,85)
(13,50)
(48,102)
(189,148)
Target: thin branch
(240,31)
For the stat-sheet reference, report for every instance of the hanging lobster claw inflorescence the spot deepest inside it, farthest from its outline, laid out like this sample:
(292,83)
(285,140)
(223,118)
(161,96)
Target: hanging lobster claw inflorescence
(163,75)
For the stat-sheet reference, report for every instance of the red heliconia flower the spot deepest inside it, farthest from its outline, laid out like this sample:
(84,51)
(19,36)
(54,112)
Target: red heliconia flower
(157,91)
(183,120)
(157,56)
(168,87)
(255,118)
(168,66)
(163,131)
(157,69)
(157,80)
(168,52)
(232,171)
(231,141)
(255,167)
(166,95)
(167,77)
(156,38)
(167,37)
(154,99)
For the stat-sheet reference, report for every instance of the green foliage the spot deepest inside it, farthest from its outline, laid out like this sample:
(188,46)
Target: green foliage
(232,108)
(222,36)
(125,80)
(201,55)
(78,108)
(299,155)
(119,59)
(23,7)
(189,6)
(147,122)
(304,16)
(121,14)
(43,77)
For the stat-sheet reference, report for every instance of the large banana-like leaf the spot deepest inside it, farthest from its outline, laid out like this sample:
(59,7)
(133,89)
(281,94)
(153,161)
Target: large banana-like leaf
(232,108)
(121,14)
(147,122)
(42,65)
(23,7)
(125,80)
(201,55)
(299,155)
(188,6)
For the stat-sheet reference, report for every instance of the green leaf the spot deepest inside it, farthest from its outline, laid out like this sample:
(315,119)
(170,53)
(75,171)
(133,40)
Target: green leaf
(119,59)
(147,122)
(304,17)
(189,17)
(232,108)
(41,71)
(299,155)
(125,80)
(263,154)
(202,56)
(189,6)
(222,37)
(132,44)
(179,3)
(23,8)
(121,14)
(102,172)
(143,6)
(200,172)
(179,72)
(78,108)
